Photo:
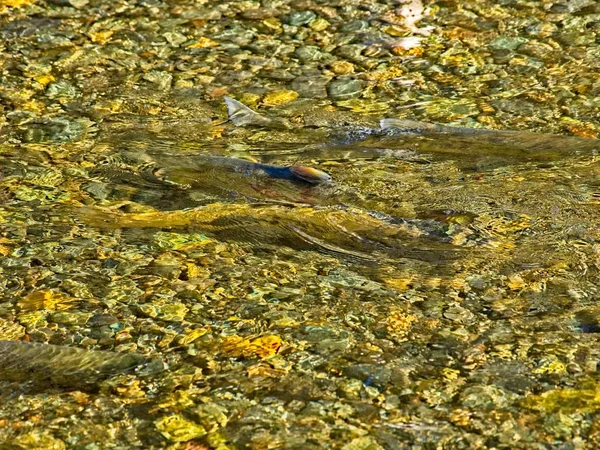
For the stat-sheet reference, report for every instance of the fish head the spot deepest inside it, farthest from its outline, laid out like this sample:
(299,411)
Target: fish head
(310,175)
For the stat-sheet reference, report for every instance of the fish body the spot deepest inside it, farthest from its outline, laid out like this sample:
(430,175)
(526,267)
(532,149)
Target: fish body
(298,173)
(62,366)
(431,138)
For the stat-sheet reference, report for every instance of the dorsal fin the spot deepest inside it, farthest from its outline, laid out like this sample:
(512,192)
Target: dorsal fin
(241,115)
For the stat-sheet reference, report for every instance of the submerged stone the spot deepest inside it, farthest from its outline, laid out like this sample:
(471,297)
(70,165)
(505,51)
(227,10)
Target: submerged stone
(345,89)
(59,129)
(356,25)
(309,53)
(298,18)
(310,87)
(507,43)
(178,429)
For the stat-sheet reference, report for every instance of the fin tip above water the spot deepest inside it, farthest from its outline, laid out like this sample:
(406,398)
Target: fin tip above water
(240,114)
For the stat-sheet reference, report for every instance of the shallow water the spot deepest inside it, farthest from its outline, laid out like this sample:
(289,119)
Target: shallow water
(440,292)
(438,256)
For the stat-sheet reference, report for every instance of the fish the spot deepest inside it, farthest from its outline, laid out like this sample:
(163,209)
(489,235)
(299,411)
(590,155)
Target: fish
(62,366)
(299,173)
(352,233)
(197,164)
(442,141)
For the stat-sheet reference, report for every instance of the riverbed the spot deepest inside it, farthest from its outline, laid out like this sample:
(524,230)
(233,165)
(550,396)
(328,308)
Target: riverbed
(440,291)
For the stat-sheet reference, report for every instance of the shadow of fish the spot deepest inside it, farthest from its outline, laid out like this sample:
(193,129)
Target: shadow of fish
(351,233)
(46,366)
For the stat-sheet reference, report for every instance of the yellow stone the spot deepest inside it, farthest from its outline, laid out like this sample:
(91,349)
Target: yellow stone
(38,439)
(394,30)
(205,79)
(400,284)
(218,441)
(580,128)
(10,331)
(16,3)
(178,429)
(342,67)
(279,97)
(319,24)
(195,271)
(460,417)
(250,99)
(364,105)
(130,389)
(264,370)
(433,282)
(265,346)
(399,50)
(262,347)
(191,335)
(46,299)
(285,322)
(583,399)
(551,367)
(457,283)
(24,94)
(184,84)
(450,374)
(274,24)
(362,443)
(32,319)
(515,282)
(398,324)
(33,106)
(204,42)
(44,79)
(110,105)
(101,37)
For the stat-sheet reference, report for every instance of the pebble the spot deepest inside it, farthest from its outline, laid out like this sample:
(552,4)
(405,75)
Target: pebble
(100,320)
(259,13)
(161,78)
(319,24)
(352,52)
(345,89)
(173,311)
(174,38)
(301,18)
(356,25)
(308,53)
(342,67)
(310,87)
(61,89)
(280,74)
(507,43)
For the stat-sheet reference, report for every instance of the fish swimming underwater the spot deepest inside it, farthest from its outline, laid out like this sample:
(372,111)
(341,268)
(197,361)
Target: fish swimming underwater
(298,173)
(441,141)
(63,366)
(400,139)
(376,210)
